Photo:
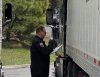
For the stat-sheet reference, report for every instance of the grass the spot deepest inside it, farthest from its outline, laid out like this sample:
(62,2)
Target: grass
(52,57)
(17,53)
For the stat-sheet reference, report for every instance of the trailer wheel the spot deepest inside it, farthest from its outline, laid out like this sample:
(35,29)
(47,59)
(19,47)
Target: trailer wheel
(55,72)
(69,69)
(75,70)
(2,75)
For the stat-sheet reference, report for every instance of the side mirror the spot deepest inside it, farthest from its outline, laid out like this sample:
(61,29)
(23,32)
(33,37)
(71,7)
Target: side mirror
(49,17)
(8,12)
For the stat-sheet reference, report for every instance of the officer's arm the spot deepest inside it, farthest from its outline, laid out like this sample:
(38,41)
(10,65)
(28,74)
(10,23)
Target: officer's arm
(46,50)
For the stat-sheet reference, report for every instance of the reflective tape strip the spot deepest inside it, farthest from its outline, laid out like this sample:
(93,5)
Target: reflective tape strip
(94,60)
(72,48)
(99,63)
(84,54)
(87,56)
(79,52)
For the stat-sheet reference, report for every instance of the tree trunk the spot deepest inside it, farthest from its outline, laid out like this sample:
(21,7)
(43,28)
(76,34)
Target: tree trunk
(8,36)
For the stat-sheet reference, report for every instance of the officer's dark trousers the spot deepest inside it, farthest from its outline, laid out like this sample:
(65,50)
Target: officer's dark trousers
(40,69)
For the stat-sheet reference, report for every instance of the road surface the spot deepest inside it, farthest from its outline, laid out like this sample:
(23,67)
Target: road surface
(23,71)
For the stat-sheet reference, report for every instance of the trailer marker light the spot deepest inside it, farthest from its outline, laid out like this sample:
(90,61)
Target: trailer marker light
(59,55)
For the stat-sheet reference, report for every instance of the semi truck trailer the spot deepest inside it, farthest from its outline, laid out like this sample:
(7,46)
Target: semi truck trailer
(76,26)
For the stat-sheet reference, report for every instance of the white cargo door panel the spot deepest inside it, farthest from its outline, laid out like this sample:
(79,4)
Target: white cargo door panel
(98,32)
(82,25)
(83,34)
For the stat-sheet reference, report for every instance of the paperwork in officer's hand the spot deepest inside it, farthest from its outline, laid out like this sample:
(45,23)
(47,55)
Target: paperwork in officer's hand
(56,49)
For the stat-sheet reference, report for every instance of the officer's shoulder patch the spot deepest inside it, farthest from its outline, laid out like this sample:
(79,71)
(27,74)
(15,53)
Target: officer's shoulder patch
(41,44)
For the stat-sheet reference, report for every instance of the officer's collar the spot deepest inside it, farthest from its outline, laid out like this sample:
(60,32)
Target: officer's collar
(39,37)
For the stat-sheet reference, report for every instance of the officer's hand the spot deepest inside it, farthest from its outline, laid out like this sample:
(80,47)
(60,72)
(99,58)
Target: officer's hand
(54,43)
(51,41)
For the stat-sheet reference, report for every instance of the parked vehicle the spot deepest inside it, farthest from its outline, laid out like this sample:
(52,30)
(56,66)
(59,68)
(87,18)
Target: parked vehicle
(77,27)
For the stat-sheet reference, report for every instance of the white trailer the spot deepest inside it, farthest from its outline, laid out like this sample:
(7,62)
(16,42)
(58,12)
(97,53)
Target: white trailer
(79,32)
(83,35)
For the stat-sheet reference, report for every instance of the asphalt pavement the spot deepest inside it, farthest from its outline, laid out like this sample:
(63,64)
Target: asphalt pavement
(22,71)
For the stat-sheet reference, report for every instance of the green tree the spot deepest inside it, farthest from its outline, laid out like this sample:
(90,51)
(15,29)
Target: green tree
(27,16)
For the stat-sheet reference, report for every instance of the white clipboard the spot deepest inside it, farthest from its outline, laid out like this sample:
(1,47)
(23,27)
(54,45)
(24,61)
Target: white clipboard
(56,49)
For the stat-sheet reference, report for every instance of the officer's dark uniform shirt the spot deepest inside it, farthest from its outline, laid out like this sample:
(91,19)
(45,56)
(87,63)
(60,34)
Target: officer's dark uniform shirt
(40,57)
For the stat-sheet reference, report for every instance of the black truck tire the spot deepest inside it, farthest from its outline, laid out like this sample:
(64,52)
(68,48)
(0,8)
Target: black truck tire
(69,69)
(75,70)
(56,72)
(2,75)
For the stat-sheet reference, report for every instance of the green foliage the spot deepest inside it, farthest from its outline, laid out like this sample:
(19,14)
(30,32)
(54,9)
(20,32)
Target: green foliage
(52,57)
(17,53)
(27,16)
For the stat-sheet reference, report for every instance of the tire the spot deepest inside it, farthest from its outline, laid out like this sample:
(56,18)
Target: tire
(75,70)
(69,69)
(2,75)
(55,72)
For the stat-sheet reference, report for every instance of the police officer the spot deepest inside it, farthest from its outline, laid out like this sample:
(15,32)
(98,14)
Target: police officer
(40,54)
